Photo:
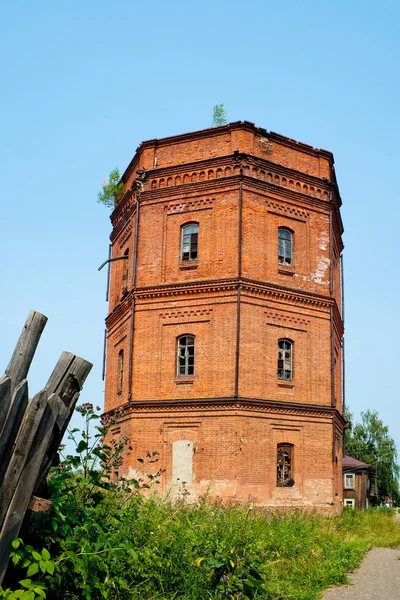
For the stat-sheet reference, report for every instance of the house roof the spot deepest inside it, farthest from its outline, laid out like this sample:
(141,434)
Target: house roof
(352,463)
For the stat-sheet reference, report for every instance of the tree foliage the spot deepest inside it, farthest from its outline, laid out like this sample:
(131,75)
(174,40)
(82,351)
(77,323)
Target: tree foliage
(370,442)
(112,189)
(219,115)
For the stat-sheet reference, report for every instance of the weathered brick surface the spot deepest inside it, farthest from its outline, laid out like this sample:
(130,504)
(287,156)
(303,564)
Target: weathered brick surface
(240,184)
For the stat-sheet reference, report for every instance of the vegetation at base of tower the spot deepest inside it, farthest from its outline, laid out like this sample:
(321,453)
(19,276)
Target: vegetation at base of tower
(105,539)
(370,442)
(219,115)
(112,189)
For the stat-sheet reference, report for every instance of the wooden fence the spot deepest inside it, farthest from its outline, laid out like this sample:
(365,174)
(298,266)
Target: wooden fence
(31,429)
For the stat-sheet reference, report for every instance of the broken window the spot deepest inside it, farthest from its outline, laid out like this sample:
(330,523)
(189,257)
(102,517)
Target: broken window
(284,466)
(285,359)
(349,481)
(189,242)
(185,356)
(120,369)
(285,246)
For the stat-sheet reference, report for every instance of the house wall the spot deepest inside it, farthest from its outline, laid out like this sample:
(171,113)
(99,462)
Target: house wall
(360,491)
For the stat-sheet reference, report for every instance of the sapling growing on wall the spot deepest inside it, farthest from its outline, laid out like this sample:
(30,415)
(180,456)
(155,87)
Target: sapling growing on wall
(219,115)
(112,189)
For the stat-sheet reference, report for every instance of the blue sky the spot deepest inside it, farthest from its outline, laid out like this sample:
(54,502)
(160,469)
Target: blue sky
(83,83)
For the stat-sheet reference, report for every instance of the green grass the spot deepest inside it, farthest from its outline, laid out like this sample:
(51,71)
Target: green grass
(155,549)
(210,551)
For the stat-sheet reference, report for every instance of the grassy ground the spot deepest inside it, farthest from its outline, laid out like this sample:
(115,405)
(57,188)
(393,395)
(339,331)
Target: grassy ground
(153,549)
(215,552)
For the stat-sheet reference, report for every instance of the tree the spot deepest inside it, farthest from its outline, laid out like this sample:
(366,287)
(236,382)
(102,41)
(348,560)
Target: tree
(370,442)
(113,189)
(219,115)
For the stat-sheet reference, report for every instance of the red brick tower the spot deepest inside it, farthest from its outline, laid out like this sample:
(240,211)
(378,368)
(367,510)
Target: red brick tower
(224,333)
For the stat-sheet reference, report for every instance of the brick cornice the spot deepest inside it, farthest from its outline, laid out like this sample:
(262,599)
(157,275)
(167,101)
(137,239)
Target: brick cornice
(217,131)
(219,285)
(231,404)
(231,160)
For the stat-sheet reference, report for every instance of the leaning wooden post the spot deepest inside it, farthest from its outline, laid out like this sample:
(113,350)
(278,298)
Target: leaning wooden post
(25,349)
(65,382)
(31,430)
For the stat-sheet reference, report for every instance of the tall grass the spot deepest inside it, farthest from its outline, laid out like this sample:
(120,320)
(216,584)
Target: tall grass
(210,551)
(148,549)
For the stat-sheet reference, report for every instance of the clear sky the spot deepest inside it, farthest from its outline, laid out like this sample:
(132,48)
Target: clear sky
(83,83)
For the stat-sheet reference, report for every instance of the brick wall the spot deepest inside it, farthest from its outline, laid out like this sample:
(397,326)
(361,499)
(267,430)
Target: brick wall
(239,184)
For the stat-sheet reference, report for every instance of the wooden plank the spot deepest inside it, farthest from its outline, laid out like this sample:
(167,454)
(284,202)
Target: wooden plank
(27,430)
(40,505)
(24,489)
(68,377)
(5,399)
(66,381)
(12,424)
(25,349)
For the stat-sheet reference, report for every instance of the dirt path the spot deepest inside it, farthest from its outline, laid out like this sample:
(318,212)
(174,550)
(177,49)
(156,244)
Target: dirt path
(378,578)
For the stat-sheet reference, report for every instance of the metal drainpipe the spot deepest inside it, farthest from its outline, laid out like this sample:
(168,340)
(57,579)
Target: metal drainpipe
(343,351)
(343,361)
(239,292)
(134,273)
(333,400)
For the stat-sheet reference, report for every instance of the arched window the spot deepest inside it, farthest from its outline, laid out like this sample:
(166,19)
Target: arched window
(284,465)
(189,241)
(120,369)
(285,246)
(285,359)
(185,356)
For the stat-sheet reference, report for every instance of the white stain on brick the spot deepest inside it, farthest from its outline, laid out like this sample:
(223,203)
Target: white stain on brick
(320,271)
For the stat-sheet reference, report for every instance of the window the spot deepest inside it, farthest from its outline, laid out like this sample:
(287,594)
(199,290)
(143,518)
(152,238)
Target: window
(185,356)
(285,247)
(189,241)
(126,269)
(349,481)
(120,369)
(285,359)
(349,502)
(284,465)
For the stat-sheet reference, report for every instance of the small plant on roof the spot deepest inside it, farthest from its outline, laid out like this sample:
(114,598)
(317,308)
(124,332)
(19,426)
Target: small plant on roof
(219,115)
(113,189)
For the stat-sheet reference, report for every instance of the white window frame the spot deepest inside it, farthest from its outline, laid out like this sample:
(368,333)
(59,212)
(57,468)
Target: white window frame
(349,502)
(352,485)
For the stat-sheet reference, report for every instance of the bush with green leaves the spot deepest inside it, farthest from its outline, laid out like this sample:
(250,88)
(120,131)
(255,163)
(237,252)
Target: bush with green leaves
(112,189)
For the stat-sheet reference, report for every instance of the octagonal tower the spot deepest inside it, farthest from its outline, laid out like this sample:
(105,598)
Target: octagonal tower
(224,332)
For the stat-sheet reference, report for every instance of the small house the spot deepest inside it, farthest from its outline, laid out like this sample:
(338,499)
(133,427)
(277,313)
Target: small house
(359,489)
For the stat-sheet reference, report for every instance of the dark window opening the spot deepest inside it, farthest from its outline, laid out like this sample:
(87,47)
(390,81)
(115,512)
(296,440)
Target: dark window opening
(189,243)
(285,247)
(285,359)
(120,369)
(284,466)
(185,356)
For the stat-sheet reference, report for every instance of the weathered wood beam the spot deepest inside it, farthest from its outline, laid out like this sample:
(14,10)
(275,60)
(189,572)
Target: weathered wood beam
(5,399)
(23,443)
(19,402)
(23,491)
(25,349)
(66,382)
(40,505)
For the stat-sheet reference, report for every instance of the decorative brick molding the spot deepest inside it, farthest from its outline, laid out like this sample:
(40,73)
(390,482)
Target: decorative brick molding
(186,315)
(288,210)
(189,206)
